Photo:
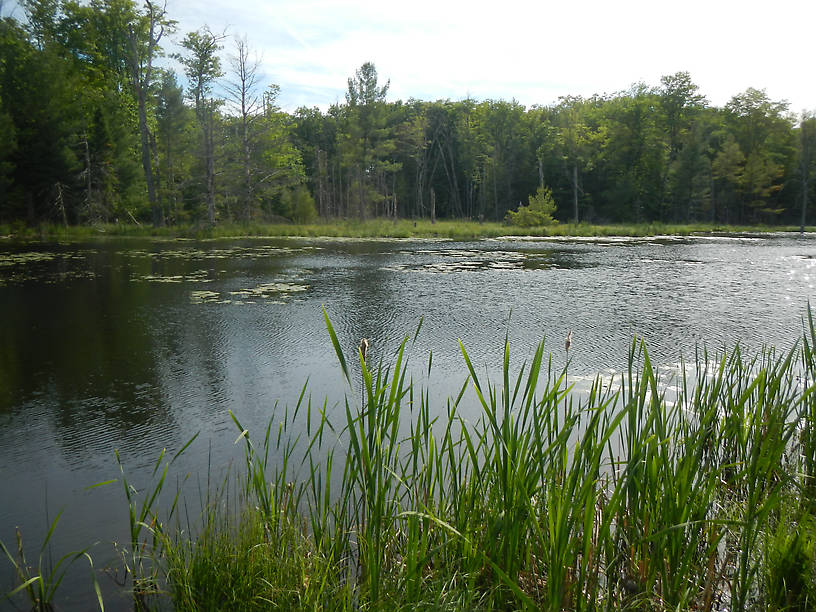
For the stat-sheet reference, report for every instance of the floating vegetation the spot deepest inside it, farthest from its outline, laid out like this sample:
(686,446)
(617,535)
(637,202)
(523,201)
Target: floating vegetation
(26,267)
(269,290)
(235,252)
(29,258)
(198,276)
(17,259)
(209,297)
(447,261)
(269,293)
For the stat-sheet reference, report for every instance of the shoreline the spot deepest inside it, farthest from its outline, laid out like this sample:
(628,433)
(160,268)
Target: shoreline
(386,229)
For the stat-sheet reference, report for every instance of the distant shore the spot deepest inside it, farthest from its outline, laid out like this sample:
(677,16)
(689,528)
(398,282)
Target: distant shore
(379,228)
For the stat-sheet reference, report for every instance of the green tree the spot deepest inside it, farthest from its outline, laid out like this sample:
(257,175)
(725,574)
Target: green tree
(635,155)
(202,65)
(276,162)
(316,137)
(763,130)
(41,20)
(9,137)
(538,212)
(415,143)
(175,126)
(40,108)
(578,141)
(144,33)
(680,103)
(807,160)
(507,159)
(367,144)
(299,205)
(689,175)
(727,169)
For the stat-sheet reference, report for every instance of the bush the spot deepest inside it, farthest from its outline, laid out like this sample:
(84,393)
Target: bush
(539,211)
(300,205)
(790,562)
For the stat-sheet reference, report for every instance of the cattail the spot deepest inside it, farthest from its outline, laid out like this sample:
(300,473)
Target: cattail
(364,348)
(568,341)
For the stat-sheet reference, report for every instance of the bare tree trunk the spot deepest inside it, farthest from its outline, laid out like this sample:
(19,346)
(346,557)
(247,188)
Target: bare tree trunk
(243,92)
(433,205)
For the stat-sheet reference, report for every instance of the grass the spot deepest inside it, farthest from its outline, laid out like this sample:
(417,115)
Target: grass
(620,498)
(373,228)
(39,583)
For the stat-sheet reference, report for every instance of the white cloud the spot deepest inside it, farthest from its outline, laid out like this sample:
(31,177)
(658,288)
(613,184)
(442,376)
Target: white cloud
(533,51)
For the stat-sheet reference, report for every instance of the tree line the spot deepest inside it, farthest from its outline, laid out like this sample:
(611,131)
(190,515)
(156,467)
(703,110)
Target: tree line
(94,129)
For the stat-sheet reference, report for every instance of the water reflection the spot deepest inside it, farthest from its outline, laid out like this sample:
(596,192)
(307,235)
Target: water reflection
(137,345)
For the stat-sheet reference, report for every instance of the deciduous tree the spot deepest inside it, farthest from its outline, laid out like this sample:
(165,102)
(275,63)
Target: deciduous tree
(202,65)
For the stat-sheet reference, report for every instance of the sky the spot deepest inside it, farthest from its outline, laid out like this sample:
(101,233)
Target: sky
(530,51)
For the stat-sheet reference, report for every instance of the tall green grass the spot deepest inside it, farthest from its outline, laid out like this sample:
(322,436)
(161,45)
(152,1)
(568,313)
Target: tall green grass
(39,583)
(618,497)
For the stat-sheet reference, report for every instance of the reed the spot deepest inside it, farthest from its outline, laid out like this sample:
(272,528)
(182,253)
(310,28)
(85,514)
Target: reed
(619,497)
(40,583)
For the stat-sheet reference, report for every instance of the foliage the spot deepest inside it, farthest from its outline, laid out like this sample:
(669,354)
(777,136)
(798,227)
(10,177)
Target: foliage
(129,147)
(300,205)
(789,557)
(538,212)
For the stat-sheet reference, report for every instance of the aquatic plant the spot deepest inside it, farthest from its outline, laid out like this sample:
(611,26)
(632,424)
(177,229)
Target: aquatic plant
(619,497)
(40,583)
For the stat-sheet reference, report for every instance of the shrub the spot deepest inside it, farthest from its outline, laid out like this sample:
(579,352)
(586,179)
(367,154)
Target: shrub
(300,205)
(539,211)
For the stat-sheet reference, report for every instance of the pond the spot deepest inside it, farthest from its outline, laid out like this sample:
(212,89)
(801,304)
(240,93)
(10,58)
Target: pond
(136,345)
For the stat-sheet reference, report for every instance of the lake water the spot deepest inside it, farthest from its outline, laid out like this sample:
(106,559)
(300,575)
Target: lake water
(137,345)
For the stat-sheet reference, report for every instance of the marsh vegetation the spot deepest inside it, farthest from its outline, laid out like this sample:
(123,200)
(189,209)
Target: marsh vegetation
(623,497)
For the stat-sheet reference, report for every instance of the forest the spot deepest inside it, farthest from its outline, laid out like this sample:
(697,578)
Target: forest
(97,127)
